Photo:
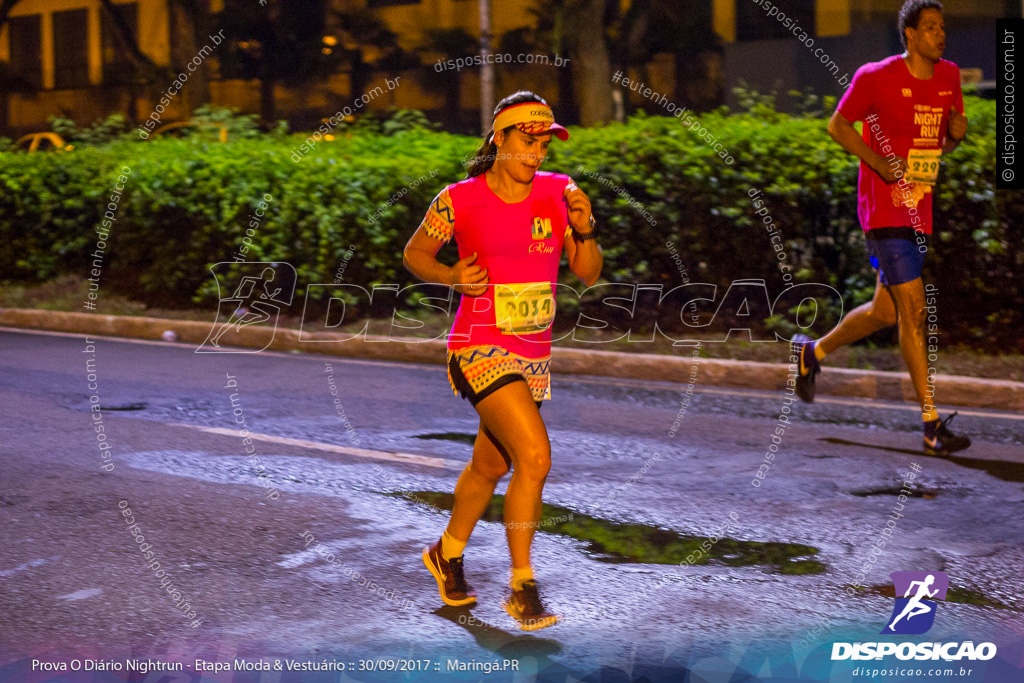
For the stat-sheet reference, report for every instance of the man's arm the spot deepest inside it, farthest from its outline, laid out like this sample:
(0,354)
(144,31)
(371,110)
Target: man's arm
(955,132)
(843,132)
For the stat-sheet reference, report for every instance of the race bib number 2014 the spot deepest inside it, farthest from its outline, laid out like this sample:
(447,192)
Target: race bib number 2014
(524,308)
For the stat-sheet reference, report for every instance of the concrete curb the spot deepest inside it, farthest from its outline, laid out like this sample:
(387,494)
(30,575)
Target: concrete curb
(893,386)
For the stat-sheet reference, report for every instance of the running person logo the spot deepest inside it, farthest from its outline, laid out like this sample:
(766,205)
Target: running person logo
(914,613)
(249,293)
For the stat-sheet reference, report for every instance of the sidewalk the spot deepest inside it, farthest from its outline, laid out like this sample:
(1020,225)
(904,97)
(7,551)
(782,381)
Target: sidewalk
(893,386)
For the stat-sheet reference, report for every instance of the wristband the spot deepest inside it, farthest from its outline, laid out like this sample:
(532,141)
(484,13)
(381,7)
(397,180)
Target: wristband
(580,237)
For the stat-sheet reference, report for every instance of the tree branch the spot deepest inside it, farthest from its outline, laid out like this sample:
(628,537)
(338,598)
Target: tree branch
(5,10)
(126,34)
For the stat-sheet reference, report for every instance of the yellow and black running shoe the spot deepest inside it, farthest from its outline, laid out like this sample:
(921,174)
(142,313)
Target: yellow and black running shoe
(938,440)
(525,606)
(451,582)
(803,348)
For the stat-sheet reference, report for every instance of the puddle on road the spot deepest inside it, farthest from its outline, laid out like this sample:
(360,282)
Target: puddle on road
(1000,469)
(450,436)
(894,491)
(142,405)
(626,543)
(965,596)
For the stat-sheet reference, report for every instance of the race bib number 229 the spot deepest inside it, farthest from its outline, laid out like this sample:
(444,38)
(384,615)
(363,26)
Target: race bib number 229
(923,165)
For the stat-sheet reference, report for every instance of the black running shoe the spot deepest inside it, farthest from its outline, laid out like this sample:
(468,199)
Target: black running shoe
(938,440)
(525,606)
(803,347)
(451,582)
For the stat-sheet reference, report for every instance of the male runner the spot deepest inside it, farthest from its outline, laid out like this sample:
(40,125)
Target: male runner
(912,109)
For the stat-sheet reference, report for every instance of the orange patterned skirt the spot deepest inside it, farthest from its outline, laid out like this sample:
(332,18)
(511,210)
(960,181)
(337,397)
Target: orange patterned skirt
(477,371)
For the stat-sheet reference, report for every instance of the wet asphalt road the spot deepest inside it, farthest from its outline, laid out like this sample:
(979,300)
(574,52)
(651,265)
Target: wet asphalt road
(307,558)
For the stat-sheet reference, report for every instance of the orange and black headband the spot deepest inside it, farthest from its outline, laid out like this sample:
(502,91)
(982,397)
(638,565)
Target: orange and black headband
(532,118)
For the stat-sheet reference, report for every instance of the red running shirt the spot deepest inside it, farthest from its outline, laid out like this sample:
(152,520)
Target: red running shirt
(520,245)
(907,117)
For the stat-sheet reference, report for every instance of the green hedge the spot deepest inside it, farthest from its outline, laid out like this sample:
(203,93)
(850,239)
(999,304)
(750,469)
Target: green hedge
(188,202)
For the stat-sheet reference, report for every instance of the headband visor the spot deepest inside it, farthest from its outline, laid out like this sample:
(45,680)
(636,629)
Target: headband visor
(532,118)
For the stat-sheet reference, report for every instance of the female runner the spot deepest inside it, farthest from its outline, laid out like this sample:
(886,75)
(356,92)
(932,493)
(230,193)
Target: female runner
(511,223)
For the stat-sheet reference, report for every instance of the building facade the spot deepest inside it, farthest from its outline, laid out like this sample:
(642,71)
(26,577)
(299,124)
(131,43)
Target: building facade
(70,58)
